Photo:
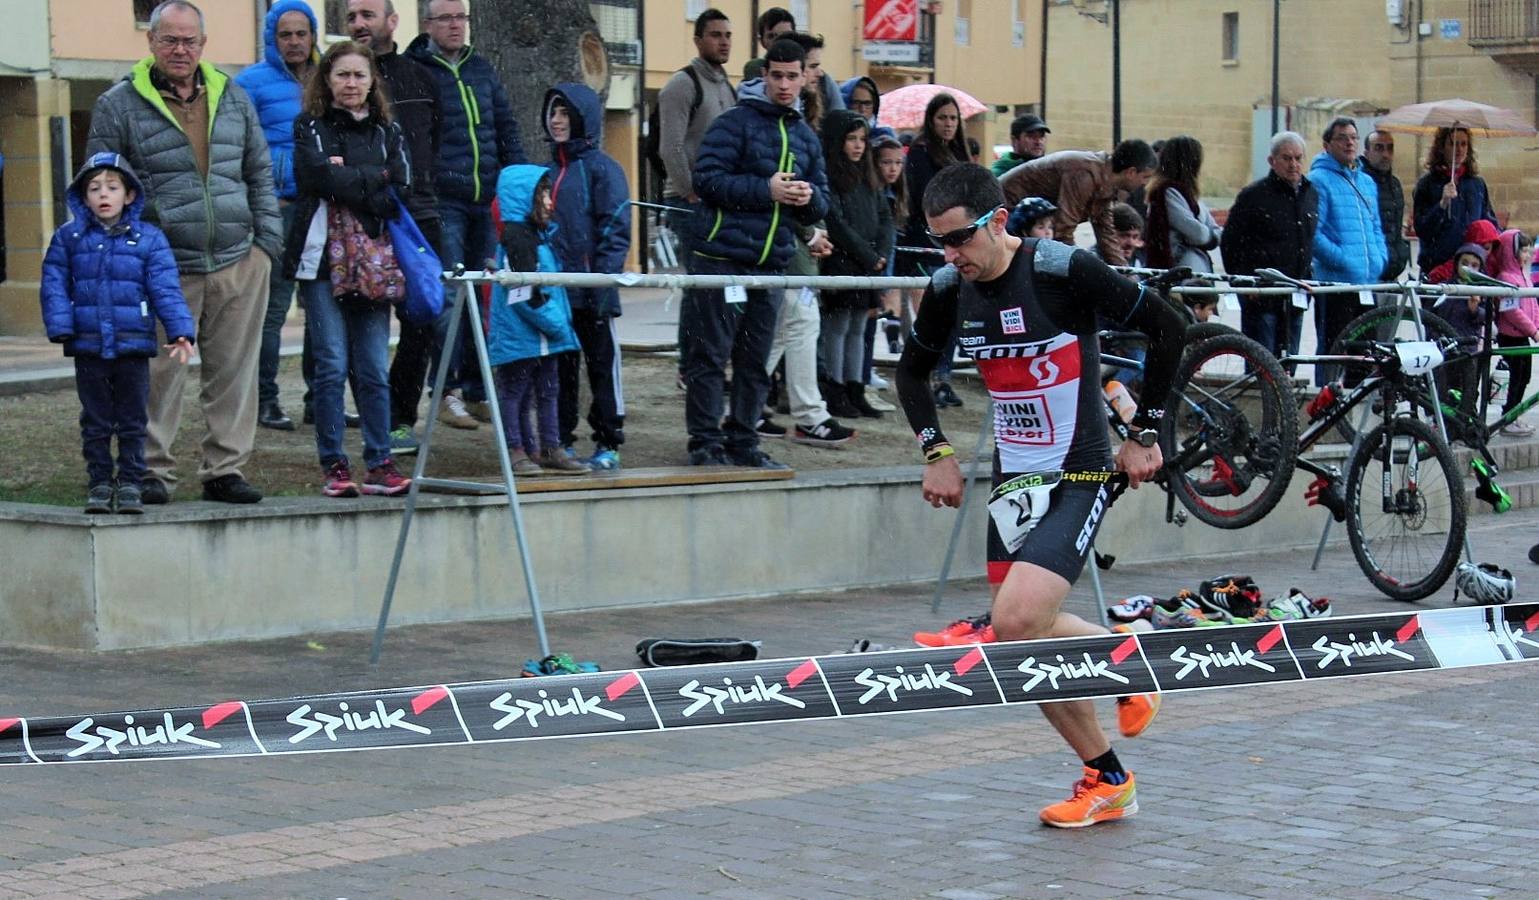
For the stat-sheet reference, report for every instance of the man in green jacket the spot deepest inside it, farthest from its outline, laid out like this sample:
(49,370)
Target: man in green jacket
(195,140)
(1028,141)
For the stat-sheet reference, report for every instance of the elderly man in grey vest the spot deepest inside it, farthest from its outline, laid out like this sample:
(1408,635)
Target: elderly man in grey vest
(196,141)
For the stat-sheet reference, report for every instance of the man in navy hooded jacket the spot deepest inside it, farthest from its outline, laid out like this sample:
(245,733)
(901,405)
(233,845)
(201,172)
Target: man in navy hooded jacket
(276,85)
(593,234)
(759,173)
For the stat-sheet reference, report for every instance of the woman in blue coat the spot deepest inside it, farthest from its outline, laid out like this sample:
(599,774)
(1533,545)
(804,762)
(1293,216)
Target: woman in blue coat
(1449,198)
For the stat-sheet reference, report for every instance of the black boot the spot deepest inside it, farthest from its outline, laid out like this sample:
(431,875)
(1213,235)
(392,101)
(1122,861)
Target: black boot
(837,399)
(271,415)
(857,394)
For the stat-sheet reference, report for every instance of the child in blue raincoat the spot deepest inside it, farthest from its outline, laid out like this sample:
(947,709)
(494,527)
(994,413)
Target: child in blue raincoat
(528,326)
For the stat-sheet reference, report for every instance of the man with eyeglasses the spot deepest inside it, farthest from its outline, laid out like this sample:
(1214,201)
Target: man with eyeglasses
(1379,163)
(1349,240)
(480,136)
(1027,311)
(195,140)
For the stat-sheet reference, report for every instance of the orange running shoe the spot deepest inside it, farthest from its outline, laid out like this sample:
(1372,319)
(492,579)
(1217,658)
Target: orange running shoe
(984,635)
(1134,713)
(1093,801)
(958,628)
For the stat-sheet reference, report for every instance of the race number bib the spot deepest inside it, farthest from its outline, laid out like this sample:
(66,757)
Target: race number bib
(1019,504)
(1418,357)
(1509,304)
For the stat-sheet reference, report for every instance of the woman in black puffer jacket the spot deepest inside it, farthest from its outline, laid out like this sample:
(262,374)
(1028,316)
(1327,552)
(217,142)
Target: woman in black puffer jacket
(347,157)
(860,227)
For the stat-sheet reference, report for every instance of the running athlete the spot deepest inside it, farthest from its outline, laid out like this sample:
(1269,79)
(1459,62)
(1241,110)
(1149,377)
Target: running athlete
(1026,311)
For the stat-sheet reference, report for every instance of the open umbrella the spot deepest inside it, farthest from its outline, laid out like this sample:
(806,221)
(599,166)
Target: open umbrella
(1427,118)
(904,107)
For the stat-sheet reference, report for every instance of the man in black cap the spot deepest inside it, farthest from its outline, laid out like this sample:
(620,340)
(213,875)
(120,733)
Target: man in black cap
(1028,141)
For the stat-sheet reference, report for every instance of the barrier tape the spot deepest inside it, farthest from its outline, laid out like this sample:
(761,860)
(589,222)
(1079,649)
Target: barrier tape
(782,690)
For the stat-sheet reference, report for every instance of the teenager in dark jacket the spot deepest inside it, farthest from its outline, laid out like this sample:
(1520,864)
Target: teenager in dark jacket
(860,227)
(940,143)
(759,171)
(348,156)
(593,234)
(107,277)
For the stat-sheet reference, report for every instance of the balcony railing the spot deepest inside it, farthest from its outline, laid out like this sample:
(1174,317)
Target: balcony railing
(1503,23)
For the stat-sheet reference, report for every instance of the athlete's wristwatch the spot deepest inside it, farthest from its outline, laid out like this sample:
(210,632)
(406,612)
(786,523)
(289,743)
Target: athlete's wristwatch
(1146,437)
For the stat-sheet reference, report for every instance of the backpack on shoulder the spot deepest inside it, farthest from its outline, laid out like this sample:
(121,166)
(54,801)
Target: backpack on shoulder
(654,145)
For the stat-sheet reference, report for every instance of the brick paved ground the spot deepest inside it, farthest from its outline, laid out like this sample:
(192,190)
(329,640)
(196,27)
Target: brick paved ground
(1406,786)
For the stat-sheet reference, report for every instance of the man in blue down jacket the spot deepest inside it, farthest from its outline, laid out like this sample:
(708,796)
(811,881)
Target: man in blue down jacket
(1349,242)
(275,85)
(480,137)
(593,234)
(759,172)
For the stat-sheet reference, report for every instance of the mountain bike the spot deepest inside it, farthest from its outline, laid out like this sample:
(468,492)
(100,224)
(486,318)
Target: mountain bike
(1407,534)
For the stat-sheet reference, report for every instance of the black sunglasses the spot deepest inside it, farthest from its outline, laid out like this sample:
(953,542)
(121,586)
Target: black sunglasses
(962,235)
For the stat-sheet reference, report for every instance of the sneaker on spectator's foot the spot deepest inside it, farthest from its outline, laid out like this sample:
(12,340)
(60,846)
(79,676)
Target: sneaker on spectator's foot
(128,499)
(604,459)
(452,412)
(769,428)
(153,492)
(385,479)
(827,433)
(230,489)
(1094,801)
(99,499)
(955,629)
(351,419)
(711,455)
(403,441)
(522,465)
(1134,713)
(556,460)
(877,382)
(944,395)
(880,404)
(1517,429)
(479,410)
(339,480)
(754,458)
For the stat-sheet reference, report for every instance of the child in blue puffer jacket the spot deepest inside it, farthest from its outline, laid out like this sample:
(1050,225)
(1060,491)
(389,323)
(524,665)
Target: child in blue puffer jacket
(529,325)
(107,276)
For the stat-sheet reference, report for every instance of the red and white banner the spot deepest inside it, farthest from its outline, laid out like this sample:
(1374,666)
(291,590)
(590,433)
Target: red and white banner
(892,20)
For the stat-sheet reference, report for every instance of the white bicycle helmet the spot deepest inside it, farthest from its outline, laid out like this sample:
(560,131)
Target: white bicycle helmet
(1485,583)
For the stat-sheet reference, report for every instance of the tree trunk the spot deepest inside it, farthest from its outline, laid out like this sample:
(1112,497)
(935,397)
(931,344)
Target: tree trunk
(533,44)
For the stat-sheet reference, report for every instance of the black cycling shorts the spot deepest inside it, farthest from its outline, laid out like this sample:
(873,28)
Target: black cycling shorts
(1061,541)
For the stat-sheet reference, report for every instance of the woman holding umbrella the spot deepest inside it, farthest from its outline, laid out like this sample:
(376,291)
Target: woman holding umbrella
(940,144)
(1449,198)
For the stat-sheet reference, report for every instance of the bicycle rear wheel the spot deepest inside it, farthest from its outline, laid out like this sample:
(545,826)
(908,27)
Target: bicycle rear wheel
(1387,324)
(1230,433)
(1408,542)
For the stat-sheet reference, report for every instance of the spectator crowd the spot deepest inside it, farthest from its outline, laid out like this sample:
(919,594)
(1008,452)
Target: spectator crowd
(209,204)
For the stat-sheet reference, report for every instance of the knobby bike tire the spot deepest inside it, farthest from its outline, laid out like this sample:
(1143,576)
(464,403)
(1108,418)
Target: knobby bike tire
(1201,331)
(1385,323)
(1230,434)
(1410,552)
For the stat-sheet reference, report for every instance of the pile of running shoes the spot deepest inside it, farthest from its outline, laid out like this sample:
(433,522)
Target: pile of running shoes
(1225,600)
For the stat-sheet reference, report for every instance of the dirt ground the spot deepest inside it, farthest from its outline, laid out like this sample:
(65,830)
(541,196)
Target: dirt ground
(40,439)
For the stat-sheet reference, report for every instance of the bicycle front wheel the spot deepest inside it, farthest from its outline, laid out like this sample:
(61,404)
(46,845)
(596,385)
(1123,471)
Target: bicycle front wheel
(1405,509)
(1230,433)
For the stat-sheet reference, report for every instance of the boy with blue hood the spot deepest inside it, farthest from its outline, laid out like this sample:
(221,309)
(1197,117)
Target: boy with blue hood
(106,278)
(529,325)
(592,234)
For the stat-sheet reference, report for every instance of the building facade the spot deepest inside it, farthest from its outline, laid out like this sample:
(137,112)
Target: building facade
(1204,68)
